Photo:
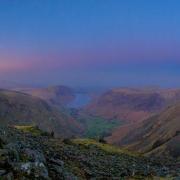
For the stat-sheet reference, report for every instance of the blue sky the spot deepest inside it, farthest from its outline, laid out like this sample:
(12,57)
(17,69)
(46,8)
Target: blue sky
(90,42)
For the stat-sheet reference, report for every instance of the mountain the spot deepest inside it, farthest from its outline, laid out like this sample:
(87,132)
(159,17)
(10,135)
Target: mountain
(159,135)
(132,105)
(12,85)
(23,109)
(55,95)
(29,153)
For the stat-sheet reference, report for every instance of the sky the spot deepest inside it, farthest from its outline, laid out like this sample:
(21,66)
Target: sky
(90,42)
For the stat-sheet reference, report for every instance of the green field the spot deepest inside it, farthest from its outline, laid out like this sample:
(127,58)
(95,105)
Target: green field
(98,127)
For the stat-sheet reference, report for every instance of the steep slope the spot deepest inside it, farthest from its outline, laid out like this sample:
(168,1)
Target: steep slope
(19,108)
(159,135)
(33,155)
(55,95)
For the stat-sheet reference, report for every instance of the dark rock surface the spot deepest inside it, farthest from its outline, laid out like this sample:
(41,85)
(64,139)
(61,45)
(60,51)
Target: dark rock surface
(28,156)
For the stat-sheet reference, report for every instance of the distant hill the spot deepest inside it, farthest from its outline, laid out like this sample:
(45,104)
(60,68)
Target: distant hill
(18,108)
(55,95)
(159,135)
(132,105)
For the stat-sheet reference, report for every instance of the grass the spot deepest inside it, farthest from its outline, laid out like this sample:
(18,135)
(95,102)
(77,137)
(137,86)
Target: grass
(97,127)
(105,147)
(34,130)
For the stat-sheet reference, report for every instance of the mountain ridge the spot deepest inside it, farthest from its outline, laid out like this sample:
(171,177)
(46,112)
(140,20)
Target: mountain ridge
(55,95)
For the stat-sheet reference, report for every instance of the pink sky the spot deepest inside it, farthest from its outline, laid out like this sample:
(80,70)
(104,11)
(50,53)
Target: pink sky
(14,60)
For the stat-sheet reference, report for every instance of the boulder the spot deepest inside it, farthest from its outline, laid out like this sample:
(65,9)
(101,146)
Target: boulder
(2,172)
(32,169)
(57,162)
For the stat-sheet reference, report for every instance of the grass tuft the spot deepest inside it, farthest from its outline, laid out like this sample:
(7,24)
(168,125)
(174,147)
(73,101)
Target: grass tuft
(105,147)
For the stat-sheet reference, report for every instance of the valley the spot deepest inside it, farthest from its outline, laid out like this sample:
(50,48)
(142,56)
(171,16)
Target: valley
(89,90)
(18,108)
(120,124)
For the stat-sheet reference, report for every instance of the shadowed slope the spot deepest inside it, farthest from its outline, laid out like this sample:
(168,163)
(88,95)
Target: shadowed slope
(19,108)
(55,95)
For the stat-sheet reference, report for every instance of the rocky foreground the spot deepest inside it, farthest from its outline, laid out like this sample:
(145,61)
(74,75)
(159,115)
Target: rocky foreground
(28,153)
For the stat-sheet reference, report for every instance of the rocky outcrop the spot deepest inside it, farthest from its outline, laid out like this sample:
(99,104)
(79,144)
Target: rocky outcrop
(25,156)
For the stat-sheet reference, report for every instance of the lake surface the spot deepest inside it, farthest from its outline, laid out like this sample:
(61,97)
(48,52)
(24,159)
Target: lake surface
(80,100)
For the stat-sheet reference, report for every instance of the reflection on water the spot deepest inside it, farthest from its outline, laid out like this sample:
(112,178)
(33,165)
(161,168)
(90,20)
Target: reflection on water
(80,100)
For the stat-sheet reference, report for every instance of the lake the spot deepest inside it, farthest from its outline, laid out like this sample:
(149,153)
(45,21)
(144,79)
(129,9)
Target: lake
(81,99)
